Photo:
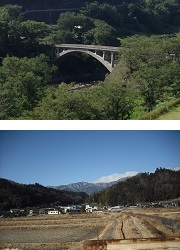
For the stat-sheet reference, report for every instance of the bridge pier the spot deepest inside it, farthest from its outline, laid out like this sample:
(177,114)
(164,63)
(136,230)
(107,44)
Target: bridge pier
(112,59)
(104,55)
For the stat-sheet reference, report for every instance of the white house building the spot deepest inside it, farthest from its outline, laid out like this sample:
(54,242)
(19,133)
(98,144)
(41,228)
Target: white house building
(90,209)
(53,212)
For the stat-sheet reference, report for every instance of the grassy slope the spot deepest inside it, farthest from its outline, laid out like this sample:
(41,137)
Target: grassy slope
(116,76)
(173,114)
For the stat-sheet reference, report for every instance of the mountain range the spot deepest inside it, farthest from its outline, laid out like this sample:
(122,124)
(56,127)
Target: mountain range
(88,188)
(100,184)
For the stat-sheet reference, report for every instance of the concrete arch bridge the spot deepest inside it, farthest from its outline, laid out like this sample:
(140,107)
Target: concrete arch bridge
(107,55)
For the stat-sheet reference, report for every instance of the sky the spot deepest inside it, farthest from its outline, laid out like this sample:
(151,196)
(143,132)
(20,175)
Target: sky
(54,158)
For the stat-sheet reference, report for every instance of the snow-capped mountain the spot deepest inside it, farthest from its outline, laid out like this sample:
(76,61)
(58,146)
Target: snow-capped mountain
(85,187)
(97,185)
(88,188)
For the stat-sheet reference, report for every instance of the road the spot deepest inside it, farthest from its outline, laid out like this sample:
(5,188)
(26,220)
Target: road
(87,47)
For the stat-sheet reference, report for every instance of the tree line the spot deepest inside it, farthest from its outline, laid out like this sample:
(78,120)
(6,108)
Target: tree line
(126,16)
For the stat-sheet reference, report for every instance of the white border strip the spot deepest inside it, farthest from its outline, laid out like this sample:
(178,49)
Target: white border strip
(90,125)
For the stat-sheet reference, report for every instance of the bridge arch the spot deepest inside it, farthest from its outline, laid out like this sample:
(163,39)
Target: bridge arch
(62,50)
(63,54)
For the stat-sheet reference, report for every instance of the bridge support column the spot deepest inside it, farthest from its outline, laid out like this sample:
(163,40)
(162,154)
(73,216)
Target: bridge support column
(57,51)
(104,55)
(112,58)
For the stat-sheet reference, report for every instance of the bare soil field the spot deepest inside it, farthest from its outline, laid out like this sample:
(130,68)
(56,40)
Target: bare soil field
(69,231)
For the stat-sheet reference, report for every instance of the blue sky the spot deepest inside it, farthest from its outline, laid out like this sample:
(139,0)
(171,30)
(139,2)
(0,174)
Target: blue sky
(63,157)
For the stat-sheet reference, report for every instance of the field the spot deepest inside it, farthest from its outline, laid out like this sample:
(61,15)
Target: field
(69,231)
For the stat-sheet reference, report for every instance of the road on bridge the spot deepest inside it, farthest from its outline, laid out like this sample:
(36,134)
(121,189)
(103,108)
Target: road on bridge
(87,47)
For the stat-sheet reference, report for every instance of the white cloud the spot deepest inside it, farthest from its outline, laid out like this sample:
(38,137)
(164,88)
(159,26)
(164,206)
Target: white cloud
(115,177)
(176,169)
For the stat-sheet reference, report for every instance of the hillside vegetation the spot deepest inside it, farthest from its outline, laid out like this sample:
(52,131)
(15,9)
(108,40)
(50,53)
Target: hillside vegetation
(146,187)
(146,78)
(15,195)
(174,114)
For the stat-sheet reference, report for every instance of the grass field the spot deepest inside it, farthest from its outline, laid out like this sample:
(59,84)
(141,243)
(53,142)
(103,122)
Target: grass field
(173,114)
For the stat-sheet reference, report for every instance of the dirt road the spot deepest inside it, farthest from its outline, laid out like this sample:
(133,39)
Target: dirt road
(143,231)
(112,230)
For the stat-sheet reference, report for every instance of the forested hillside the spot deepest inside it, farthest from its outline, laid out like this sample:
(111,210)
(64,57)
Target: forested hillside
(146,77)
(15,195)
(146,187)
(44,4)
(125,16)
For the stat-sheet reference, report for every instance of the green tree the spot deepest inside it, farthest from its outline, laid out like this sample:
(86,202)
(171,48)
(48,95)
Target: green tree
(22,82)
(153,69)
(3,38)
(10,13)
(33,30)
(150,84)
(24,38)
(104,12)
(106,101)
(5,105)
(31,34)
(71,27)
(20,38)
(78,28)
(103,34)
(118,101)
(64,104)
(9,16)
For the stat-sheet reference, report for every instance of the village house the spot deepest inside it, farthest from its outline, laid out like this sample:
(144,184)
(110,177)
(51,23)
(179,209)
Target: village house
(115,209)
(92,208)
(54,212)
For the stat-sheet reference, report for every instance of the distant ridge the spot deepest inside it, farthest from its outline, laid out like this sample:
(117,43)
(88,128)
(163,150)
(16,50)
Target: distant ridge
(88,188)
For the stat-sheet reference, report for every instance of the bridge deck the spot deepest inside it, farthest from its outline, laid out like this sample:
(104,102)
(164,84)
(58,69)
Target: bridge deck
(87,47)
